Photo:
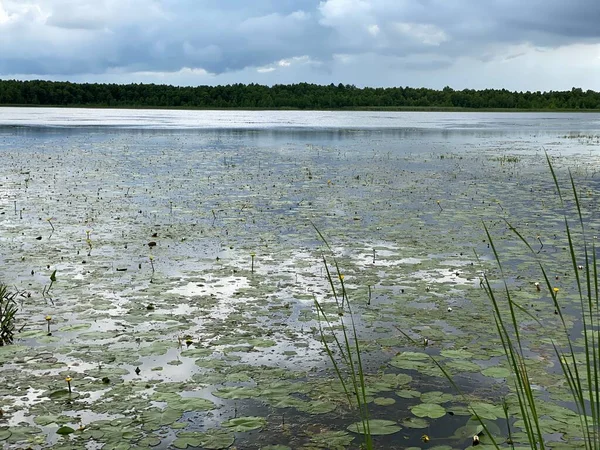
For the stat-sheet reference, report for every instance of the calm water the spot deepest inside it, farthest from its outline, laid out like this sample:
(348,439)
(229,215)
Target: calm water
(355,131)
(316,120)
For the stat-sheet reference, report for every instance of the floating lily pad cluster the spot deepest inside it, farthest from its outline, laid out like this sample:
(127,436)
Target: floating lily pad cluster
(184,269)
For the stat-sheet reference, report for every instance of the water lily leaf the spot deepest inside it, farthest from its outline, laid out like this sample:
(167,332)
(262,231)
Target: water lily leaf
(431,410)
(243,424)
(236,392)
(496,372)
(408,393)
(414,422)
(457,354)
(487,411)
(463,366)
(332,440)
(61,393)
(473,427)
(262,343)
(4,434)
(65,430)
(22,433)
(377,427)
(469,430)
(188,439)
(436,397)
(44,420)
(197,352)
(384,401)
(76,327)
(316,407)
(216,439)
(149,441)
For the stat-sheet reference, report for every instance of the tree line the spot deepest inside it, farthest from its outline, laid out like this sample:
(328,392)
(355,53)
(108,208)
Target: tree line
(293,96)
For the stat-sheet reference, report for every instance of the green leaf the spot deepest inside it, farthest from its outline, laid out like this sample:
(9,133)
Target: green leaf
(4,434)
(414,422)
(384,401)
(432,410)
(243,424)
(332,440)
(236,392)
(378,427)
(436,397)
(496,372)
(65,430)
(487,411)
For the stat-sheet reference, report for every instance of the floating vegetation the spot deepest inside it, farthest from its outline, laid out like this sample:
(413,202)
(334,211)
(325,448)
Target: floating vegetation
(210,336)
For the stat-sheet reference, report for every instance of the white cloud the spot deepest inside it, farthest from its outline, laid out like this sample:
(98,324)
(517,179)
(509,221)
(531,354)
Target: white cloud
(378,42)
(373,29)
(427,34)
(338,12)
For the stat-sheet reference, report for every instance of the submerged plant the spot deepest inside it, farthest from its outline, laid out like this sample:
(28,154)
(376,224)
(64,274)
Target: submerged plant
(8,312)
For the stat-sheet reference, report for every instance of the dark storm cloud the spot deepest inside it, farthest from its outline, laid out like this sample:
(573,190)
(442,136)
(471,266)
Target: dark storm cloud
(52,37)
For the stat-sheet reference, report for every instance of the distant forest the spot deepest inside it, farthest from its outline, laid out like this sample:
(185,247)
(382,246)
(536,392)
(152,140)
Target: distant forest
(293,96)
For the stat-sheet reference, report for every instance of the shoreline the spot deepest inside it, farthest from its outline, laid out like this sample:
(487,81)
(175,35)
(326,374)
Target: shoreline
(358,109)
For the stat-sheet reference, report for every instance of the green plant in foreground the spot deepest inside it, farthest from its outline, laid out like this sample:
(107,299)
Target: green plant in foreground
(349,367)
(8,312)
(581,376)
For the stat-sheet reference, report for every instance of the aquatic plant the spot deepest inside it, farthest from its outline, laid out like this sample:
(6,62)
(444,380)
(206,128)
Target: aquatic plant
(349,367)
(52,280)
(68,380)
(579,363)
(8,312)
(48,320)
(88,241)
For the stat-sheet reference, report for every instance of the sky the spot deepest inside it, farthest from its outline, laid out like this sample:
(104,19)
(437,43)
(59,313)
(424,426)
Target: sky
(519,45)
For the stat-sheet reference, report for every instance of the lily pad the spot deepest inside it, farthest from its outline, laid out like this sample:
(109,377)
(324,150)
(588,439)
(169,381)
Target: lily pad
(384,401)
(431,410)
(65,430)
(211,440)
(377,427)
(436,397)
(496,372)
(414,422)
(236,392)
(243,424)
(332,440)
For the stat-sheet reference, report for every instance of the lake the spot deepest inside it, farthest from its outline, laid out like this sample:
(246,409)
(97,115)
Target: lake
(167,263)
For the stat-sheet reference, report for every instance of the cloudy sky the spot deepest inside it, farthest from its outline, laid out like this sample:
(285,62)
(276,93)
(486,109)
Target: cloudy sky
(513,44)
